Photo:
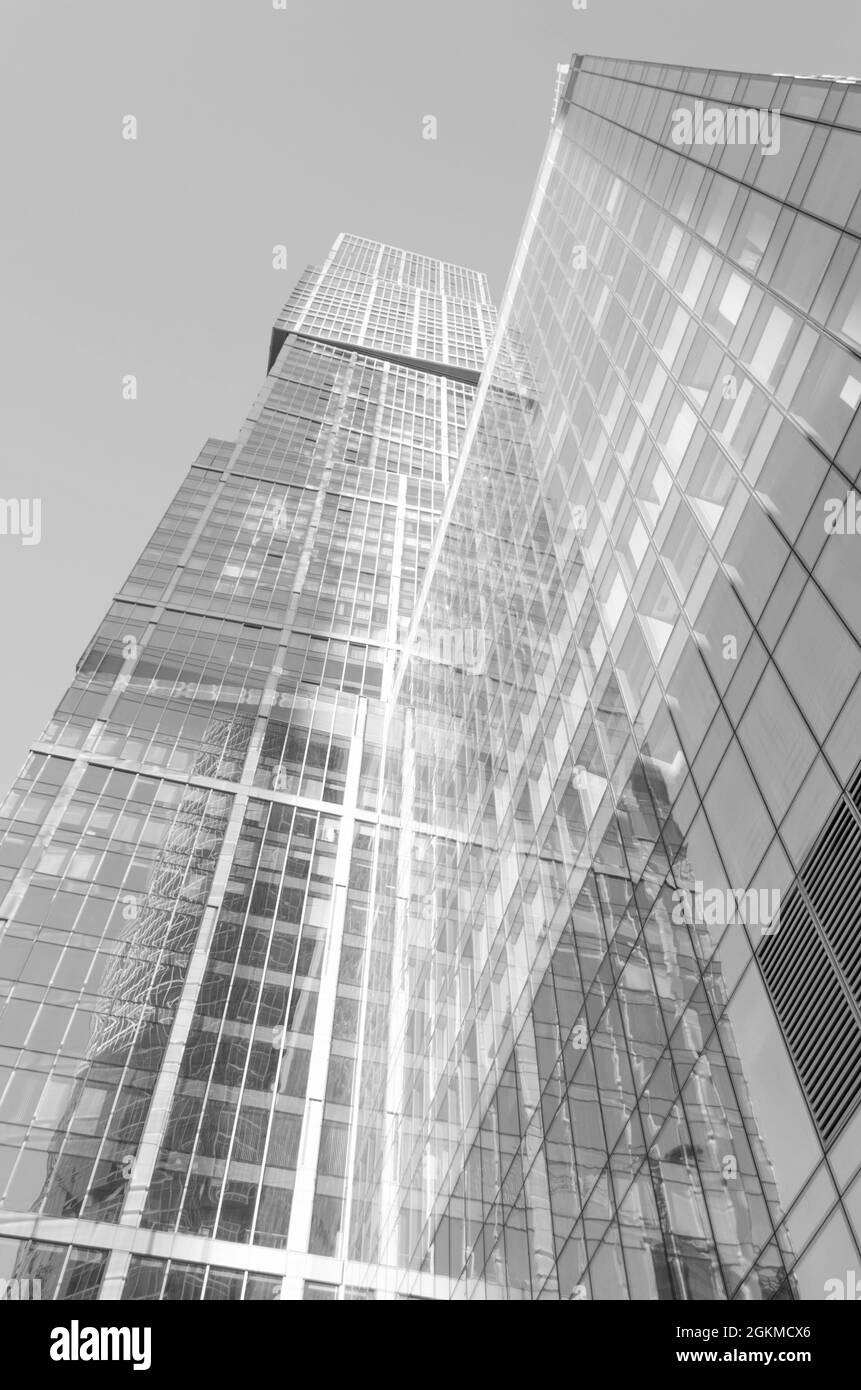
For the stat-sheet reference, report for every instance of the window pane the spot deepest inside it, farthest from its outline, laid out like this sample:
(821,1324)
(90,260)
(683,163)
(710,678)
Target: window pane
(778,745)
(834,187)
(820,659)
(802,263)
(754,230)
(846,315)
(776,171)
(828,394)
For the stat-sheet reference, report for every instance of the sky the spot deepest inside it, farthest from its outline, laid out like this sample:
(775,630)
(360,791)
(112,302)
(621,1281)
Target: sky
(256,127)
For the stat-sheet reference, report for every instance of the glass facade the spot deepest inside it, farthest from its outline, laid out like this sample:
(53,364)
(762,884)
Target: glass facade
(440,878)
(187,854)
(624,1032)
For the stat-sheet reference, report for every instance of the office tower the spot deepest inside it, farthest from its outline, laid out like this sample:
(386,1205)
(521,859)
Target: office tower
(186,854)
(625,1051)
(493,933)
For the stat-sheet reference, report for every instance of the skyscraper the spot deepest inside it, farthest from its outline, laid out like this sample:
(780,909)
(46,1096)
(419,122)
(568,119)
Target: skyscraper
(439,879)
(628,1043)
(187,851)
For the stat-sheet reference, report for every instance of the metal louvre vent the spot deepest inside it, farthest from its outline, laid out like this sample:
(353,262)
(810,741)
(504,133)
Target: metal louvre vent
(832,881)
(812,968)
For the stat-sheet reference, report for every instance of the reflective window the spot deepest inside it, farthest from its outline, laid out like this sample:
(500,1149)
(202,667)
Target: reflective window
(803,260)
(834,186)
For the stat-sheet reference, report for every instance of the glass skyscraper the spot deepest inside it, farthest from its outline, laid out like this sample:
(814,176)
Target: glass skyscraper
(187,853)
(626,1061)
(440,879)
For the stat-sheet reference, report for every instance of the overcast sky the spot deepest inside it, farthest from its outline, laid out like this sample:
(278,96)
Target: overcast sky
(256,127)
